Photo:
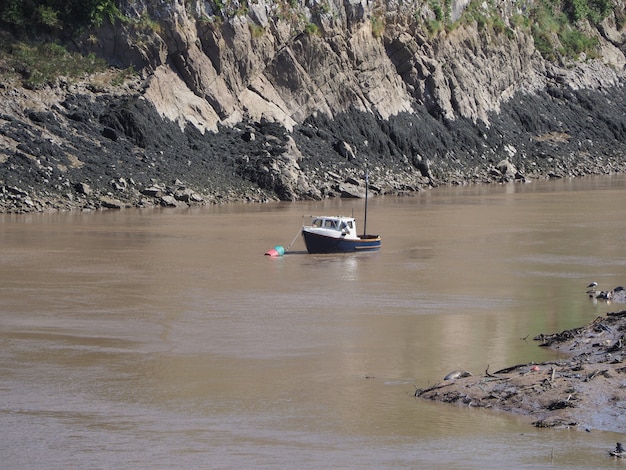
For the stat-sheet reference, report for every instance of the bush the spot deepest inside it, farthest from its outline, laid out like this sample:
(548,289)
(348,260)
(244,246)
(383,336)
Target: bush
(40,64)
(550,23)
(378,26)
(312,29)
(576,9)
(592,10)
(57,14)
(575,43)
(599,10)
(543,43)
(437,10)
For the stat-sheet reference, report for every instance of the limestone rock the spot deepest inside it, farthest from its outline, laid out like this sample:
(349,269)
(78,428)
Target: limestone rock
(111,203)
(348,190)
(507,169)
(168,201)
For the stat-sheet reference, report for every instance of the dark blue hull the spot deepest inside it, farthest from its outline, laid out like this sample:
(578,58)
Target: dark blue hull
(321,244)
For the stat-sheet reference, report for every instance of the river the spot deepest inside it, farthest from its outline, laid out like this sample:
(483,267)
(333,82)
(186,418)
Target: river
(165,338)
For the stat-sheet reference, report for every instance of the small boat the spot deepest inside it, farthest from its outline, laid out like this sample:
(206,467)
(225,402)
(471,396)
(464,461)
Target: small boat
(336,234)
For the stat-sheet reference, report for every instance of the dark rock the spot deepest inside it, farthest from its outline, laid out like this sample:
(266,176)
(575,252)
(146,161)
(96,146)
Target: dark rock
(78,116)
(109,133)
(83,188)
(41,116)
(120,184)
(345,150)
(16,191)
(152,191)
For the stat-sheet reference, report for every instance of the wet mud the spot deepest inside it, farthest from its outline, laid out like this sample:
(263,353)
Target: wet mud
(586,390)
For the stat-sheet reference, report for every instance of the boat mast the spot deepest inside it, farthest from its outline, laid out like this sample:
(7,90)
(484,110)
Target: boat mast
(365,218)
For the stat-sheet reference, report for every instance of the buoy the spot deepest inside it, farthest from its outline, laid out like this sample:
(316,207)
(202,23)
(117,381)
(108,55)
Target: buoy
(276,251)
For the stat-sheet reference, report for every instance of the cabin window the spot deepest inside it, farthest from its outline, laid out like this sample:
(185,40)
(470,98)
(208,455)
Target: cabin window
(331,224)
(350,224)
(317,222)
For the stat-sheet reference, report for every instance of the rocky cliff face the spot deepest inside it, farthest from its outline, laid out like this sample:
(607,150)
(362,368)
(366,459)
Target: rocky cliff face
(264,100)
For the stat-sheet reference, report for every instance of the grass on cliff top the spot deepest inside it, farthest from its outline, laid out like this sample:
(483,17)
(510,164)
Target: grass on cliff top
(37,65)
(557,26)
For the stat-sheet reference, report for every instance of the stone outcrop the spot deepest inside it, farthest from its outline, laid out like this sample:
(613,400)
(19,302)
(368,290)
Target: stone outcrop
(267,100)
(374,57)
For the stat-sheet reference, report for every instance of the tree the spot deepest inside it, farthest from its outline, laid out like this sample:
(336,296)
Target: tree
(58,14)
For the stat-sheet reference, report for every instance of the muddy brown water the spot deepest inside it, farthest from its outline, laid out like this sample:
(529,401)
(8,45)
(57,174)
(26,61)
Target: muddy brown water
(166,339)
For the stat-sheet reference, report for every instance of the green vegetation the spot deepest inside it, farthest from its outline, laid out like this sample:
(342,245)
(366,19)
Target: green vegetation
(46,15)
(441,10)
(256,30)
(593,10)
(479,13)
(557,26)
(554,24)
(438,10)
(554,27)
(123,75)
(486,18)
(148,24)
(378,26)
(312,29)
(575,43)
(243,8)
(40,64)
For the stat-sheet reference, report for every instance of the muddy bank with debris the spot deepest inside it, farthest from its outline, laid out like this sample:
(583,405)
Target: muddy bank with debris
(587,390)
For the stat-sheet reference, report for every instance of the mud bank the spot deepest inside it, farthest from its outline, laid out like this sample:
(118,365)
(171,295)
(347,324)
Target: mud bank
(587,390)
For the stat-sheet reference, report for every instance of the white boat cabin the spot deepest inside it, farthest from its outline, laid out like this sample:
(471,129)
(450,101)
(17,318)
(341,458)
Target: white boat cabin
(335,226)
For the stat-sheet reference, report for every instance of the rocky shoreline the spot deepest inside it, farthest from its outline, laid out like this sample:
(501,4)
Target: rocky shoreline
(587,390)
(205,103)
(82,147)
